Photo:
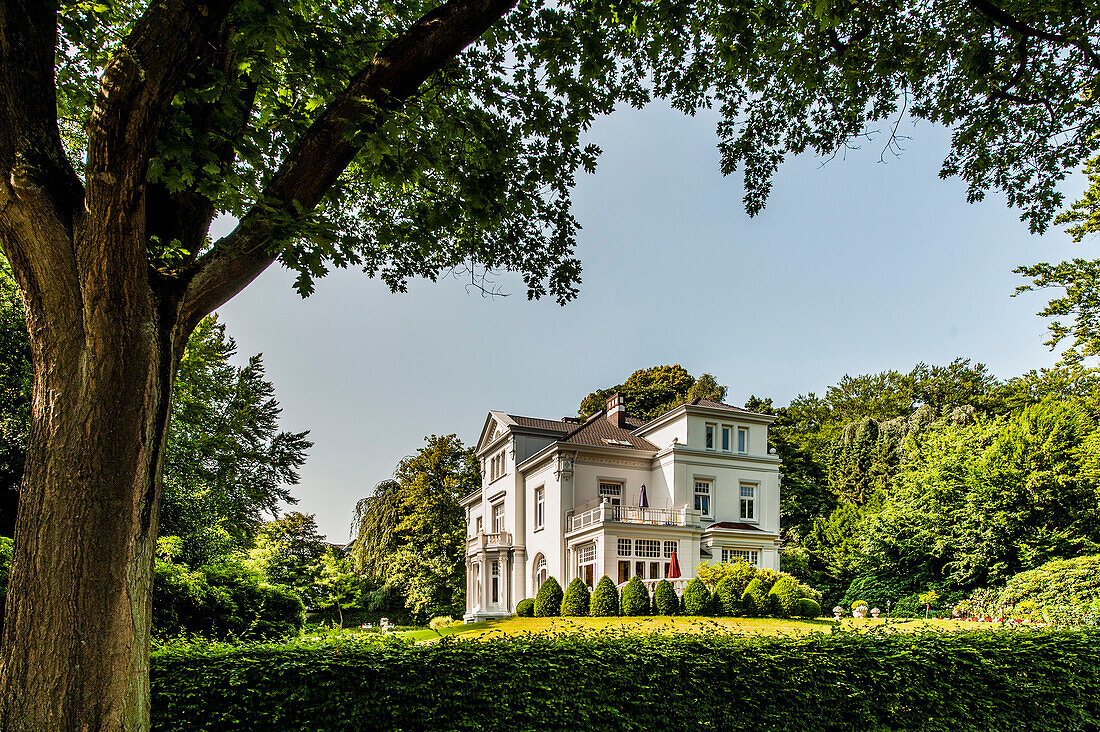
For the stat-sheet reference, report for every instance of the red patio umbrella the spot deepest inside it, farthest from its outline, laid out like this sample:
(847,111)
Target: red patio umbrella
(673,566)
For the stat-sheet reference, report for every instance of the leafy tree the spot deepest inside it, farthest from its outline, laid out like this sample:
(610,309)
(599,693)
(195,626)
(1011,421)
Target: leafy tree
(329,131)
(288,552)
(412,531)
(649,393)
(548,599)
(605,599)
(576,600)
(337,585)
(226,462)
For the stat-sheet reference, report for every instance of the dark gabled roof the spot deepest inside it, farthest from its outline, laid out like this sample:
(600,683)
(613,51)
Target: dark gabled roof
(735,525)
(598,431)
(543,424)
(701,402)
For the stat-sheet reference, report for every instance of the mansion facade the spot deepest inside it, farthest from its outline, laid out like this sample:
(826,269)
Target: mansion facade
(617,496)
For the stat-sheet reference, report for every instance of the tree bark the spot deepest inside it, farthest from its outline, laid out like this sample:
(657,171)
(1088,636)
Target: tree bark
(76,632)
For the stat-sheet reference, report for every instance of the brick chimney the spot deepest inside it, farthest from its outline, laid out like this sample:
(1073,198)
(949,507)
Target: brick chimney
(616,410)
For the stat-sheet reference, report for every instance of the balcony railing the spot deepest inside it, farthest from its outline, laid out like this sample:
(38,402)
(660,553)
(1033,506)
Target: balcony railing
(607,513)
(484,540)
(678,584)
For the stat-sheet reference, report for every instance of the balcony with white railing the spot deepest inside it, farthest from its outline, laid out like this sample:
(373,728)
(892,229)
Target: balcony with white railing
(483,540)
(605,513)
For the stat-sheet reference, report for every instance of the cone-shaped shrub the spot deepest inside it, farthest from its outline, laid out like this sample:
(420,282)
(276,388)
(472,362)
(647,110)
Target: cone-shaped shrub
(605,600)
(548,601)
(635,598)
(665,601)
(755,600)
(576,599)
(807,608)
(696,598)
(525,608)
(783,597)
(727,600)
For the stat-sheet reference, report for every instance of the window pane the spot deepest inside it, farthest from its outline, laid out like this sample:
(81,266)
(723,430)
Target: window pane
(624,571)
(725,438)
(655,570)
(670,546)
(742,440)
(710,437)
(624,547)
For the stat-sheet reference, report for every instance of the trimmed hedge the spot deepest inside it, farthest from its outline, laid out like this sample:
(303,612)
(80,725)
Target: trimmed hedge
(635,598)
(1058,591)
(783,597)
(605,599)
(845,681)
(806,608)
(575,603)
(548,599)
(665,601)
(727,600)
(696,598)
(755,600)
(525,608)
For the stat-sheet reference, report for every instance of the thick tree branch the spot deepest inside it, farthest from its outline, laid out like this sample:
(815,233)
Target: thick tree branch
(331,143)
(1002,18)
(135,91)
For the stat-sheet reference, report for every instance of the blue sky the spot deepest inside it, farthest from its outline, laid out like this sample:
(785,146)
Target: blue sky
(855,266)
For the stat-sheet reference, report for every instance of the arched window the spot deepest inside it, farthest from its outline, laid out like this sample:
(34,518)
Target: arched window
(542,571)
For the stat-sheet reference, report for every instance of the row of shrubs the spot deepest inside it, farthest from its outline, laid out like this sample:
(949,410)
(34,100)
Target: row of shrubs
(835,681)
(758,593)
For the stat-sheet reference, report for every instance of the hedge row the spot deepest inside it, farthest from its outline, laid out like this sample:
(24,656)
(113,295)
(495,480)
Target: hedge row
(1026,680)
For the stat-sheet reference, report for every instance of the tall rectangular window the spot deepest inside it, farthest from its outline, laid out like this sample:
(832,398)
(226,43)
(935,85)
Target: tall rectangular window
(742,439)
(624,570)
(611,492)
(586,564)
(496,581)
(702,498)
(498,518)
(670,546)
(477,530)
(624,547)
(540,507)
(709,439)
(748,502)
(725,438)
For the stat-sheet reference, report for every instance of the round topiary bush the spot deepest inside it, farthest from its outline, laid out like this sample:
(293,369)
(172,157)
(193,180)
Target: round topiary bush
(635,598)
(755,600)
(727,601)
(575,603)
(784,596)
(605,600)
(696,598)
(665,601)
(548,600)
(525,608)
(806,608)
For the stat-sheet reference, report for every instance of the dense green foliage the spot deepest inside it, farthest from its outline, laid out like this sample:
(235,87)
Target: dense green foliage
(783,597)
(223,602)
(288,551)
(227,464)
(649,393)
(411,533)
(605,599)
(806,608)
(754,601)
(697,598)
(665,601)
(15,394)
(525,608)
(576,599)
(548,600)
(846,681)
(635,598)
(1066,589)
(727,597)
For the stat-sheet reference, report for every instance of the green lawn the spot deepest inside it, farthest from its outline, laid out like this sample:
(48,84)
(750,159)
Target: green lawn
(677,624)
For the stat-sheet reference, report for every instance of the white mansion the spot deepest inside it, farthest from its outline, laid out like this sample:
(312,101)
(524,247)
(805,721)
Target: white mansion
(564,499)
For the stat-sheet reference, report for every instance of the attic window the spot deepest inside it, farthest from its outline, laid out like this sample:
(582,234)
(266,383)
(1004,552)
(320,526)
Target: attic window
(622,443)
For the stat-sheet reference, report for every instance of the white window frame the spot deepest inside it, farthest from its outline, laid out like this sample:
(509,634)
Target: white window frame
(647,548)
(743,440)
(670,547)
(586,556)
(614,498)
(478,526)
(697,483)
(727,438)
(752,556)
(542,571)
(747,501)
(498,513)
(710,431)
(626,544)
(540,507)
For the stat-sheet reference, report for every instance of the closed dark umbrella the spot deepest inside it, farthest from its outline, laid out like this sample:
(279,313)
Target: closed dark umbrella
(673,566)
(643,501)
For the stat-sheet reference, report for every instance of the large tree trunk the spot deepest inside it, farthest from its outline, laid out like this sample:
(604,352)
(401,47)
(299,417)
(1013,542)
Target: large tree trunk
(76,632)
